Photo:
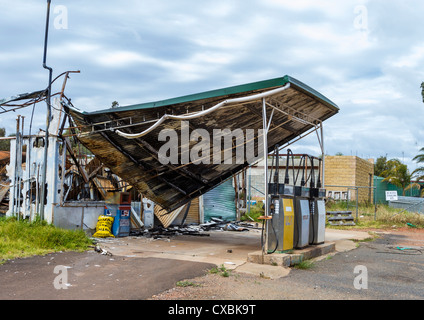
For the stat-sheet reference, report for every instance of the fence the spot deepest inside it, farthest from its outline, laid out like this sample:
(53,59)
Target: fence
(411,204)
(356,191)
(382,186)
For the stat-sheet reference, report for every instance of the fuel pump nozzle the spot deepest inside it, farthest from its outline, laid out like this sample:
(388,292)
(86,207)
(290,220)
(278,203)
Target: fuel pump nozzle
(287,179)
(303,164)
(319,185)
(285,188)
(277,168)
(312,183)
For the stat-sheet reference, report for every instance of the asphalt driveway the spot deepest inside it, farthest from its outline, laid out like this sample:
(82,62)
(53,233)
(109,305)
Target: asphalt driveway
(138,269)
(92,276)
(387,268)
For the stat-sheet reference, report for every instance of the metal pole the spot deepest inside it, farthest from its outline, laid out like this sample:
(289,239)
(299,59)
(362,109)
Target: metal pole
(249,197)
(37,189)
(46,143)
(375,211)
(357,203)
(265,141)
(16,162)
(20,178)
(323,155)
(63,174)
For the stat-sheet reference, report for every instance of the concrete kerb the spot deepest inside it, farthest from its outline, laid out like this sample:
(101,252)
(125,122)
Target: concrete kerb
(335,241)
(292,258)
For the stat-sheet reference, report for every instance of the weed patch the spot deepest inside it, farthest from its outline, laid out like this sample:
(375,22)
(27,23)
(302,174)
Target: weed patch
(379,217)
(256,211)
(187,283)
(304,265)
(22,238)
(221,270)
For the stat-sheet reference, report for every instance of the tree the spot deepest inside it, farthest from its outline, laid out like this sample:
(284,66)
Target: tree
(398,174)
(115,104)
(380,165)
(422,90)
(4,144)
(419,158)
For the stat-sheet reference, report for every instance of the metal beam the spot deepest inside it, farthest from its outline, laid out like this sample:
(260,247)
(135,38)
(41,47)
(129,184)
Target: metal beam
(142,164)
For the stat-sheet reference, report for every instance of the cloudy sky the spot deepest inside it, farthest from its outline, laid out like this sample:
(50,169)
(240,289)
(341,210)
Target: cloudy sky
(366,56)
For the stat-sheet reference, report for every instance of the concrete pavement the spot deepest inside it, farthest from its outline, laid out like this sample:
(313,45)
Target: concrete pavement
(229,248)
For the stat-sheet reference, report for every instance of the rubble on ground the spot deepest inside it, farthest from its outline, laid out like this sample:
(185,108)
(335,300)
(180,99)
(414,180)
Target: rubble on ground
(198,229)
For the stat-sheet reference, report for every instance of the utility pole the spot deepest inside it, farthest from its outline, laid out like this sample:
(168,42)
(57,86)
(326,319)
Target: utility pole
(46,143)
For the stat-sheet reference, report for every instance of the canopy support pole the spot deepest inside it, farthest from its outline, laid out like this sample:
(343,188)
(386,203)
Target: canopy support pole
(265,151)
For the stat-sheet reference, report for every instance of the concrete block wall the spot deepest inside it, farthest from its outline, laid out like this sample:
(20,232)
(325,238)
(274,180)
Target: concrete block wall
(340,171)
(365,177)
(349,171)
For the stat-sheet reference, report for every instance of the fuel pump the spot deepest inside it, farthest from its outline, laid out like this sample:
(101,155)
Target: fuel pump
(302,210)
(280,230)
(317,205)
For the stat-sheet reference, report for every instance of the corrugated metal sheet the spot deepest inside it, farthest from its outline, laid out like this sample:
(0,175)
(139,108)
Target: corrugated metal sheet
(176,217)
(193,215)
(4,188)
(220,202)
(167,218)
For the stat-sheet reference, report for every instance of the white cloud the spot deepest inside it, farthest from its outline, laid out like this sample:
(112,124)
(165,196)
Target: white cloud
(139,51)
(412,59)
(329,6)
(118,59)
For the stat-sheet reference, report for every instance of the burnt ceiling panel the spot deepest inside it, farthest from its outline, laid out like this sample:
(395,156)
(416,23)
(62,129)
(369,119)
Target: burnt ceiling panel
(126,139)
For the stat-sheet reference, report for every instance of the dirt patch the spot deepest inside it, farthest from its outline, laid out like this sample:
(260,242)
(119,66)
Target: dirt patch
(404,236)
(252,287)
(409,237)
(217,287)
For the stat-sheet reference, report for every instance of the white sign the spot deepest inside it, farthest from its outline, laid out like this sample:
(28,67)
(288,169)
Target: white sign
(391,195)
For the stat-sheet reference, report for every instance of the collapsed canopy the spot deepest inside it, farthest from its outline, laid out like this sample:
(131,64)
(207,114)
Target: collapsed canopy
(169,149)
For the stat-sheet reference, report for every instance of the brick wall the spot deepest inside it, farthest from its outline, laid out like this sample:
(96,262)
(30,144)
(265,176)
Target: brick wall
(364,177)
(349,171)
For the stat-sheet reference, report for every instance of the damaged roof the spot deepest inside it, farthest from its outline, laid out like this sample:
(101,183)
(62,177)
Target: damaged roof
(126,140)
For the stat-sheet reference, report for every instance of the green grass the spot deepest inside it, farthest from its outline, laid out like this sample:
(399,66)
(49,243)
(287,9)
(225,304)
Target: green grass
(22,239)
(256,211)
(385,217)
(221,270)
(187,283)
(304,265)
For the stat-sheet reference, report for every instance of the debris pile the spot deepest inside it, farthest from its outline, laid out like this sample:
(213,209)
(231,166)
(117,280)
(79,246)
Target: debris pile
(102,251)
(200,229)
(4,182)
